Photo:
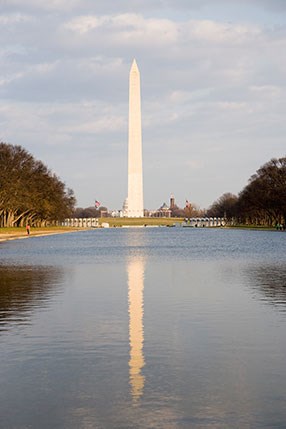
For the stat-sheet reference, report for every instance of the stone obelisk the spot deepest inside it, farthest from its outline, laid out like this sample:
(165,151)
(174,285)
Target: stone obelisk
(135,175)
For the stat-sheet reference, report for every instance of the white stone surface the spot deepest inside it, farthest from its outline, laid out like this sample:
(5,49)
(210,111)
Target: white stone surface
(135,174)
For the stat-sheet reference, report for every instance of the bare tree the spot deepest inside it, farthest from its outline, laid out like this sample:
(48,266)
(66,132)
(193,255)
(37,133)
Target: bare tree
(263,200)
(29,191)
(225,206)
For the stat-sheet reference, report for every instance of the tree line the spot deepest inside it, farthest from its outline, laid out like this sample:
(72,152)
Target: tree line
(261,202)
(89,212)
(29,192)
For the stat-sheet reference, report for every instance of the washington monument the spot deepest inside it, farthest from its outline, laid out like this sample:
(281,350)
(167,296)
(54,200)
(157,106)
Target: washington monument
(135,176)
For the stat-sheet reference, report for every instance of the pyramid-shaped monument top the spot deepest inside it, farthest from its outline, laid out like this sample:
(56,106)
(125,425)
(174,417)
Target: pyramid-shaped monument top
(134,66)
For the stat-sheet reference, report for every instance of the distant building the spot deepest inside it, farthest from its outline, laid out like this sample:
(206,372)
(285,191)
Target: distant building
(163,211)
(172,202)
(125,208)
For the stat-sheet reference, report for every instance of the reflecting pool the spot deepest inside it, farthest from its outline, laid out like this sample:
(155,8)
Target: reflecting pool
(144,328)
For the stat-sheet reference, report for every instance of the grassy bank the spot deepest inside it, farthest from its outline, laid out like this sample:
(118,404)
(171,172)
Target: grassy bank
(256,227)
(121,222)
(19,230)
(19,233)
(14,233)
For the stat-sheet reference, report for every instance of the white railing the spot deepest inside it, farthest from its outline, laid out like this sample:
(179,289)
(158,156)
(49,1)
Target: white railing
(202,222)
(89,222)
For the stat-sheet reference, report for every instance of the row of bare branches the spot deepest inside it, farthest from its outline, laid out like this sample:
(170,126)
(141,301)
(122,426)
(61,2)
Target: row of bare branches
(29,192)
(261,202)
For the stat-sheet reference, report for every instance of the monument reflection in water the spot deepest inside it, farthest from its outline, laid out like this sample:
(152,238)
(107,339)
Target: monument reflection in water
(135,271)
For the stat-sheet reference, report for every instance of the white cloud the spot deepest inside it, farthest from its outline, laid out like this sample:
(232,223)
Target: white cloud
(83,24)
(99,125)
(43,4)
(217,32)
(136,29)
(12,19)
(235,106)
(271,91)
(66,119)
(9,79)
(128,29)
(195,164)
(181,97)
(141,5)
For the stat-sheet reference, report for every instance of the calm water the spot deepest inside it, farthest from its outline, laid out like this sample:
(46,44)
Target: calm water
(144,328)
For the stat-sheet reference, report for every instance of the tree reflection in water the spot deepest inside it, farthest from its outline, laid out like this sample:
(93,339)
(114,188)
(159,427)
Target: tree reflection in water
(22,289)
(270,282)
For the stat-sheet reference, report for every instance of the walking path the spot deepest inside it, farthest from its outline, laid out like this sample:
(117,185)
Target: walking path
(15,235)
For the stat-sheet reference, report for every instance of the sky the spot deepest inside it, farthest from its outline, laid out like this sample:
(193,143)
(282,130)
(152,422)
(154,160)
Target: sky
(212,87)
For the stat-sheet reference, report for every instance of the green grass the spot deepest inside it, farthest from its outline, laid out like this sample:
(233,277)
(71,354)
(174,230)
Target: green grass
(20,230)
(260,227)
(119,222)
